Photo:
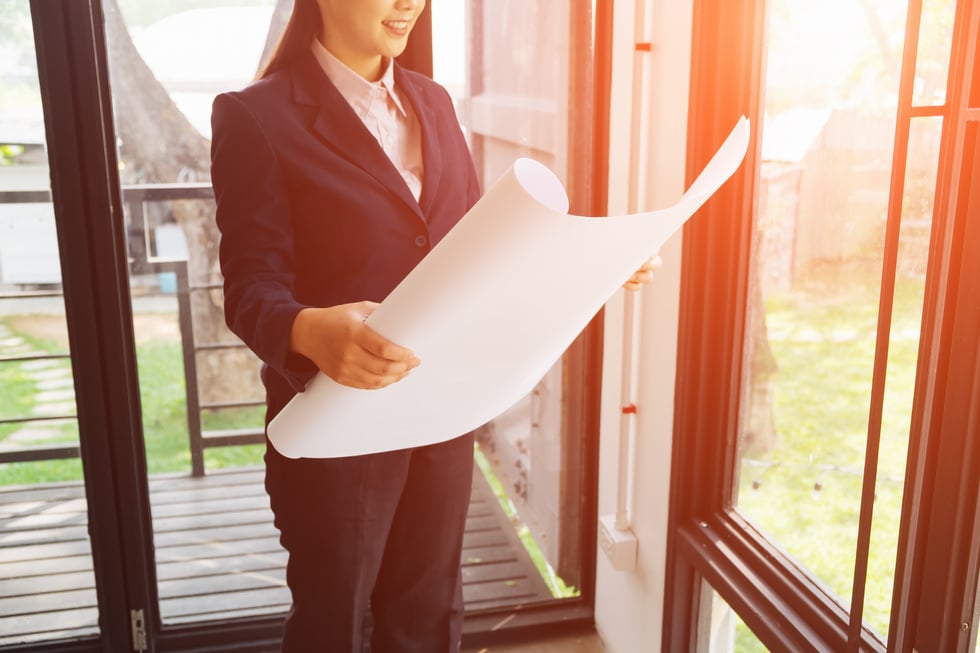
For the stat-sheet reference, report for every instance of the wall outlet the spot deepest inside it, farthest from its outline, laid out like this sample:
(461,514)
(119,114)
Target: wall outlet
(619,546)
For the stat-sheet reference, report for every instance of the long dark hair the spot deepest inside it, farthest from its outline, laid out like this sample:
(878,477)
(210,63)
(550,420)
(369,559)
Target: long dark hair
(304,22)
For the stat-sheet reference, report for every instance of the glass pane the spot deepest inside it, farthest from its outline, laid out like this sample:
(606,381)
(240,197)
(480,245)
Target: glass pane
(47,587)
(815,278)
(214,534)
(932,64)
(509,108)
(722,627)
(217,551)
(915,233)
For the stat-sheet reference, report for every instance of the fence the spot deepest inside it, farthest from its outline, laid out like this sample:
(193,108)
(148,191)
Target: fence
(142,261)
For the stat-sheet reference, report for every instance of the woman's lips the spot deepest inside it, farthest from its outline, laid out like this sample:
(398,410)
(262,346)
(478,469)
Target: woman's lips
(399,27)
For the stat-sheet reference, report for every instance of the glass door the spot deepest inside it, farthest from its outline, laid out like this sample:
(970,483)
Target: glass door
(212,552)
(216,551)
(521,76)
(47,579)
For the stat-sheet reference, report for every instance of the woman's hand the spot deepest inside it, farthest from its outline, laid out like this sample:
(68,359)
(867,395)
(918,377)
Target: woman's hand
(346,349)
(644,275)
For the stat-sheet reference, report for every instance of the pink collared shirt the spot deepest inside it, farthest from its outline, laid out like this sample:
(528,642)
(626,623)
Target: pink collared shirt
(392,122)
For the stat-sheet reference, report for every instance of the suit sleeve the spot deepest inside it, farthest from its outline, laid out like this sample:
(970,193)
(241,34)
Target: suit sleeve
(256,247)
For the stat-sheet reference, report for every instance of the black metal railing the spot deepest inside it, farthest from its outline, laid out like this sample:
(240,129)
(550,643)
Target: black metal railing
(142,261)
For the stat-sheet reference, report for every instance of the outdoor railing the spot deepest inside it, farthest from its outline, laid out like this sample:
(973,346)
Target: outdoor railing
(35,453)
(142,262)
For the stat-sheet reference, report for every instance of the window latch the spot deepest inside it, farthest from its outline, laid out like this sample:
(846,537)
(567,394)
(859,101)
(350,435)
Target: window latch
(137,624)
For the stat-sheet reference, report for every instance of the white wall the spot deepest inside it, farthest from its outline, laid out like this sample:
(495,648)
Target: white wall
(629,604)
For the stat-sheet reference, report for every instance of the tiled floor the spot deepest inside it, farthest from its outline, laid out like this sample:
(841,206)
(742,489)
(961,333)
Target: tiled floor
(588,643)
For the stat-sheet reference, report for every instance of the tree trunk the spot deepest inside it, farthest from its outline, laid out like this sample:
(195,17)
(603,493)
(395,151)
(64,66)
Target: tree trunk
(158,144)
(759,434)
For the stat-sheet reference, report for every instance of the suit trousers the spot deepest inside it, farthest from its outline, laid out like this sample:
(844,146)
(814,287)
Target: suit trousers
(380,534)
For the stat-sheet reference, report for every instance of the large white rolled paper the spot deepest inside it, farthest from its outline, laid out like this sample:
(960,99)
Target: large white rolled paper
(488,311)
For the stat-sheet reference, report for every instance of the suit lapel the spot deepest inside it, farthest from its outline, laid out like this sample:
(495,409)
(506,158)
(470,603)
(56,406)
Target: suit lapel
(341,129)
(431,153)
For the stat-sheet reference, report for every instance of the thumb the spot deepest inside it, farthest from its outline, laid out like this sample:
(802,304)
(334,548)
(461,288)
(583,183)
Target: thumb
(365,308)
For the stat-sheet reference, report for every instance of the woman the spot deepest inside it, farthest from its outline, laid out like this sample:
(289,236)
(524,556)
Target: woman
(334,174)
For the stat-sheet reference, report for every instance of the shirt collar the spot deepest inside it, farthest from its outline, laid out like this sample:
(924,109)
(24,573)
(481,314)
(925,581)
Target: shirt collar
(358,91)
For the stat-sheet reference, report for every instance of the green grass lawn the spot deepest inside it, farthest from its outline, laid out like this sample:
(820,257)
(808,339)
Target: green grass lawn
(17,397)
(805,492)
(164,415)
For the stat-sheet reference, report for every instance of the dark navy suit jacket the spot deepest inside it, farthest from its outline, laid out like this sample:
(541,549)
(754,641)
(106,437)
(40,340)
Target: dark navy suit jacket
(313,213)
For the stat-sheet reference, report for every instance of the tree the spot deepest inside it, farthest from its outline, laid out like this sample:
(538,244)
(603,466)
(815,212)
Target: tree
(157,143)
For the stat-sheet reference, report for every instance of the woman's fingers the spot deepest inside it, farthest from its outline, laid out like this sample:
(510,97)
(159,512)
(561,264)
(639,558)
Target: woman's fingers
(347,350)
(359,378)
(383,349)
(360,367)
(644,274)
(640,277)
(373,371)
(371,361)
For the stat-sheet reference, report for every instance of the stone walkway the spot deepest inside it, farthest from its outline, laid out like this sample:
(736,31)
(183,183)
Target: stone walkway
(54,394)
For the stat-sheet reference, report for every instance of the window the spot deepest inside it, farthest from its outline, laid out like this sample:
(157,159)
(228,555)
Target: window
(46,562)
(817,423)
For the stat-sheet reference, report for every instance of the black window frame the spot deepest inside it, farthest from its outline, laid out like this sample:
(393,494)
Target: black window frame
(708,540)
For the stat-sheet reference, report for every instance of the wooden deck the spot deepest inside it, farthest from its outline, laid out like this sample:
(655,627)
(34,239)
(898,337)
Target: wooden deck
(217,552)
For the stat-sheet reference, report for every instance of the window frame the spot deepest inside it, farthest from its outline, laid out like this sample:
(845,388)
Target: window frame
(708,540)
(939,541)
(80,142)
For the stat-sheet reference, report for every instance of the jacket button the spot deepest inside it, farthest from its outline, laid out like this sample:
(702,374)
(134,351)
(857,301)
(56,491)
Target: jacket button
(420,241)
